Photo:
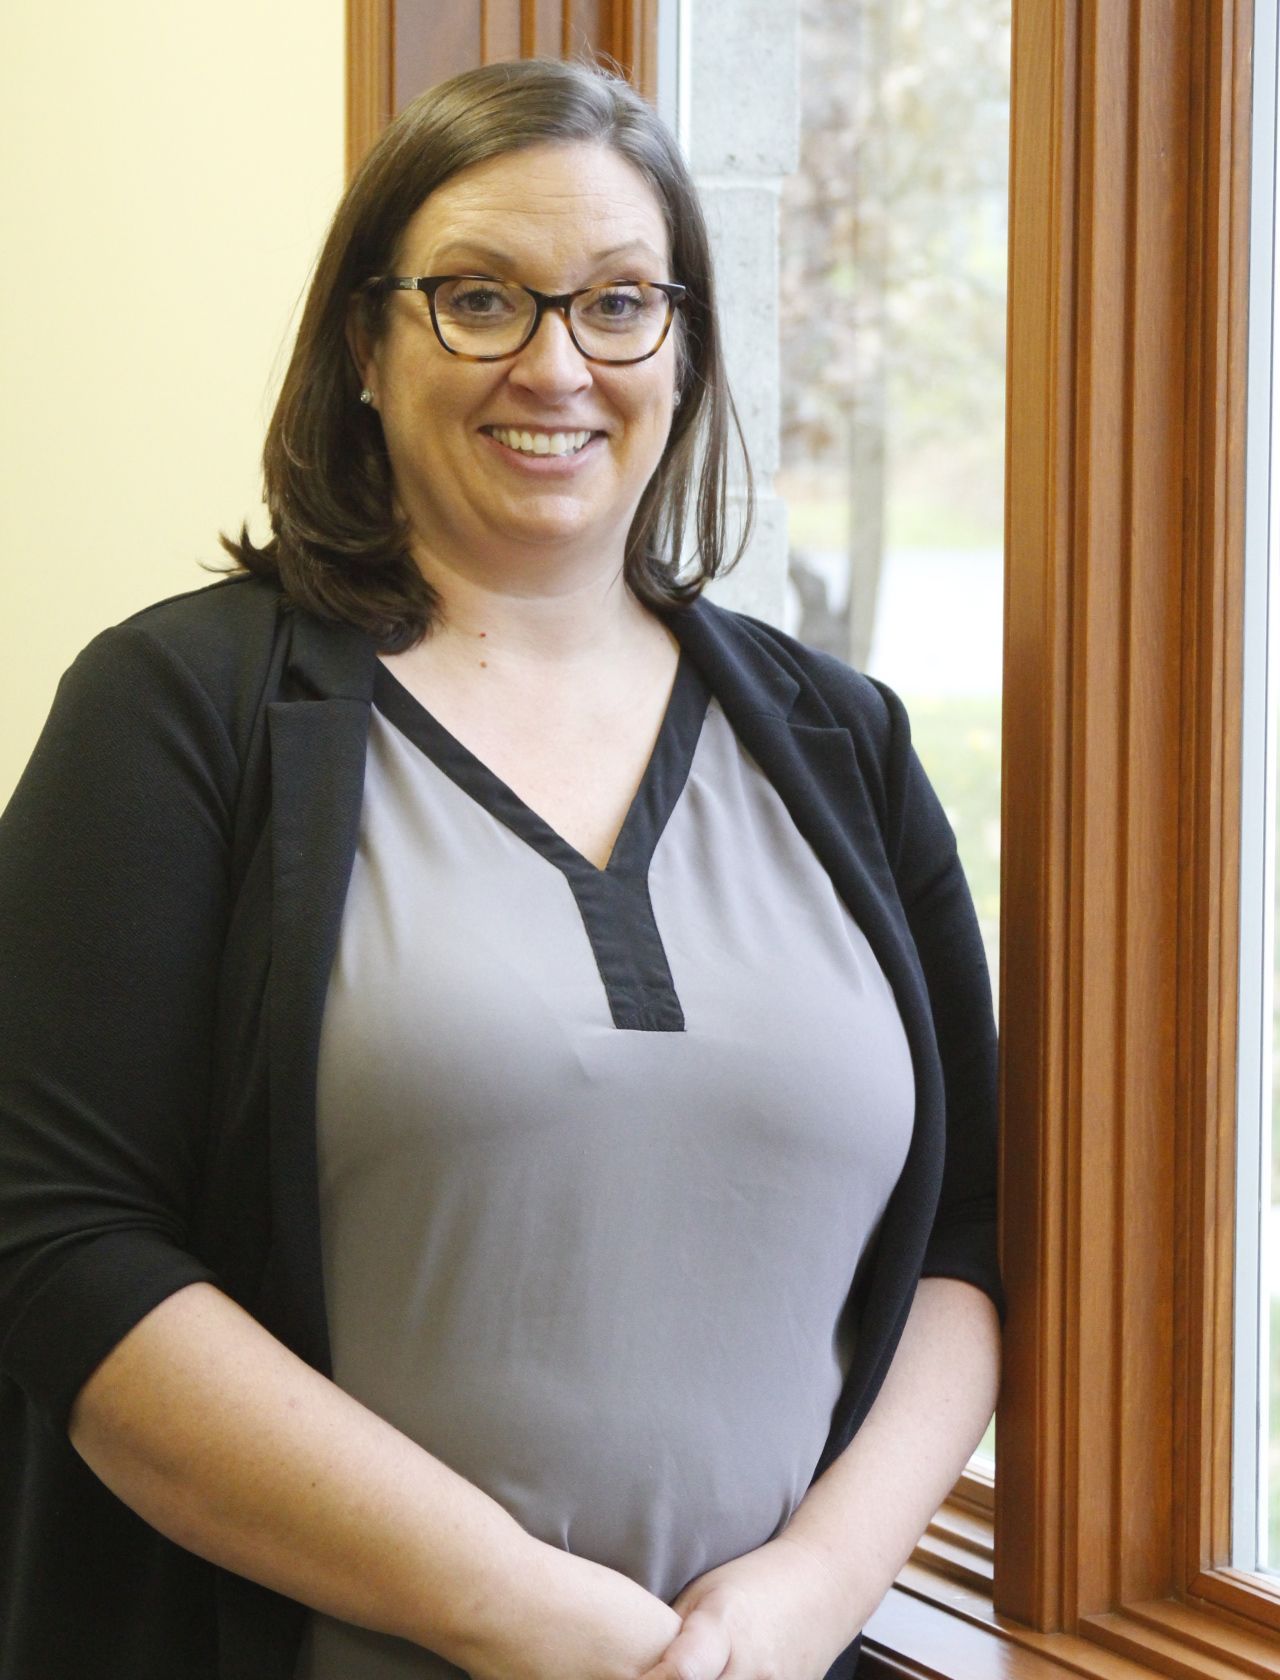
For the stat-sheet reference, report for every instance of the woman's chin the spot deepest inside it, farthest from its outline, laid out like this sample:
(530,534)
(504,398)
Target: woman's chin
(553,523)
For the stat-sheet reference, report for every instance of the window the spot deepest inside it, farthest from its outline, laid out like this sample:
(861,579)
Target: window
(893,255)
(1129,240)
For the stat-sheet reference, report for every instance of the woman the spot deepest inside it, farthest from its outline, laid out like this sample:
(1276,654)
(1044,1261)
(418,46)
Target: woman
(499,1084)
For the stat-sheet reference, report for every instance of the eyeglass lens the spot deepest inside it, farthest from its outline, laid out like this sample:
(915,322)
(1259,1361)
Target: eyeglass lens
(619,322)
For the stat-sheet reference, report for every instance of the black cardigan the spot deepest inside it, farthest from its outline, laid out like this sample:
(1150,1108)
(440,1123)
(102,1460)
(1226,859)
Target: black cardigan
(173,867)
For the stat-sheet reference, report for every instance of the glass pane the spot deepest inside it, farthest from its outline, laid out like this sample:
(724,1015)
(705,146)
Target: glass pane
(893,268)
(893,321)
(1268,1129)
(1265,1128)
(1267,237)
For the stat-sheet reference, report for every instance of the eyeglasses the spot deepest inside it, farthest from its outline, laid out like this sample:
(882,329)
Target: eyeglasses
(484,320)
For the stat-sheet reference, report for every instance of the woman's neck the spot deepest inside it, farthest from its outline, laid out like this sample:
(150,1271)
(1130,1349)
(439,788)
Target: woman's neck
(590,622)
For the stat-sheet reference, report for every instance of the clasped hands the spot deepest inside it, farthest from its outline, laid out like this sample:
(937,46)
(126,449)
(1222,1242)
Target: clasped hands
(783,1611)
(777,1613)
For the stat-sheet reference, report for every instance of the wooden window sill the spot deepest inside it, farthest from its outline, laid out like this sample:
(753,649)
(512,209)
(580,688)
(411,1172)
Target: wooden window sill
(933,1624)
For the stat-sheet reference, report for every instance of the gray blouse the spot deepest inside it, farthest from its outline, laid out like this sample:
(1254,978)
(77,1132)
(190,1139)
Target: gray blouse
(600,1150)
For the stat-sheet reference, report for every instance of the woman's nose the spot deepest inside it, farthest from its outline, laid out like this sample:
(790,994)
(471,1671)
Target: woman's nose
(551,360)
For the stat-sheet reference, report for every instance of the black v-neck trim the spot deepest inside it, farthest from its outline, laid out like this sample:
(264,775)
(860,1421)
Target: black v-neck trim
(614,901)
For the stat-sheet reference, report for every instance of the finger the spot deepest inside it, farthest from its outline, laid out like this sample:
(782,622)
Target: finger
(700,1651)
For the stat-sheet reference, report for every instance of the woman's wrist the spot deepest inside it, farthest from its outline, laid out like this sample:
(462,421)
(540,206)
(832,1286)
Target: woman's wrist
(845,1591)
(564,1616)
(489,1601)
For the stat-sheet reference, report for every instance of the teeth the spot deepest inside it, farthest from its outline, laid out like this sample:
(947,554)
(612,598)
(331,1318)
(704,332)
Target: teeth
(541,443)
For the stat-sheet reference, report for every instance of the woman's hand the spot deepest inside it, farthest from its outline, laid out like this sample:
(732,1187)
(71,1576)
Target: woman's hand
(777,1613)
(787,1610)
(567,1618)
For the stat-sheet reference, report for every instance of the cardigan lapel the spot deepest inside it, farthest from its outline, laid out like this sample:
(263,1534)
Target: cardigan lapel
(815,769)
(814,766)
(318,737)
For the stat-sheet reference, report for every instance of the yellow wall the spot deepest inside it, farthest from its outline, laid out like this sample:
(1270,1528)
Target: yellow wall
(168,171)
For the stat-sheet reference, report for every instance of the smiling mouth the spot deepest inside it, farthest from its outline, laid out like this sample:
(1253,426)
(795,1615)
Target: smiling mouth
(540,443)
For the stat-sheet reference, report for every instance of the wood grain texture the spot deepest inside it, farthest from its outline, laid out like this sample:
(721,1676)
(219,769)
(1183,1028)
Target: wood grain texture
(1221,80)
(916,1634)
(1128,259)
(1093,660)
(370,74)
(636,48)
(395,51)
(1034,1504)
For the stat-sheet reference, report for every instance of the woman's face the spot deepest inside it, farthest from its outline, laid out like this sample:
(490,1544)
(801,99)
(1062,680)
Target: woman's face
(554,217)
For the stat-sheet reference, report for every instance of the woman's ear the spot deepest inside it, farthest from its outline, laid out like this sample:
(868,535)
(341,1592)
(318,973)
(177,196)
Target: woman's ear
(361,345)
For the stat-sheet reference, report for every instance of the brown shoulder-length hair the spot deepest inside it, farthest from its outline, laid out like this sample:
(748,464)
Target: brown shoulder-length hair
(338,546)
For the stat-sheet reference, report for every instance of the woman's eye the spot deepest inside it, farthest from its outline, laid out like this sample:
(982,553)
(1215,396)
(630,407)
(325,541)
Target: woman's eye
(477,301)
(618,303)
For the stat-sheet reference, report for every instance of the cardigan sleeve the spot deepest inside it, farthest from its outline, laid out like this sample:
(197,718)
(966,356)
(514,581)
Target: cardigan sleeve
(113,899)
(940,915)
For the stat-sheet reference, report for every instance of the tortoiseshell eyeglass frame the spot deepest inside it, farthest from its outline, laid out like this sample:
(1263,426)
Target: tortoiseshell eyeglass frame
(430,284)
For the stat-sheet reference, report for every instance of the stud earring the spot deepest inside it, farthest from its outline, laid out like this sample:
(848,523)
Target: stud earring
(366,396)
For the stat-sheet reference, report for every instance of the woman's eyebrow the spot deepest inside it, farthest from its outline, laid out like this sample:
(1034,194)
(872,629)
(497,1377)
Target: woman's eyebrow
(464,250)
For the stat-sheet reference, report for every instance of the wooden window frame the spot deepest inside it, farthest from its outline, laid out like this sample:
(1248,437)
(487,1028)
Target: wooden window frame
(1127,368)
(1102,1547)
(371,31)
(628,39)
